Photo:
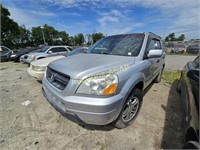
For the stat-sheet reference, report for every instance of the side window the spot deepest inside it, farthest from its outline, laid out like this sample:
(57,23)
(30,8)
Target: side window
(3,50)
(54,50)
(154,44)
(158,45)
(69,48)
(151,45)
(62,49)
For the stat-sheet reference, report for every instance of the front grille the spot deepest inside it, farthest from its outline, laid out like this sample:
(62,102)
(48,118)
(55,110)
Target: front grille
(57,79)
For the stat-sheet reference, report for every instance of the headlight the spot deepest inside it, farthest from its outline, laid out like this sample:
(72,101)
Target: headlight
(13,55)
(38,68)
(32,57)
(99,85)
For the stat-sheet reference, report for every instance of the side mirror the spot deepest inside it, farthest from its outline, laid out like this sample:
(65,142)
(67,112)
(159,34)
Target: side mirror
(155,53)
(193,74)
(50,52)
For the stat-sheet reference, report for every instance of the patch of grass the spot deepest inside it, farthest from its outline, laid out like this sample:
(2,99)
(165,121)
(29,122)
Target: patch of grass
(170,76)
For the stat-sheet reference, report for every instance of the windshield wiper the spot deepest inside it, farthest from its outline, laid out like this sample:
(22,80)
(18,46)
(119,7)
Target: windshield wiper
(102,53)
(106,53)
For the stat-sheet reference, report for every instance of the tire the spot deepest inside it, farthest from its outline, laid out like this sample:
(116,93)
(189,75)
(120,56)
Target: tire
(158,77)
(130,109)
(178,88)
(191,145)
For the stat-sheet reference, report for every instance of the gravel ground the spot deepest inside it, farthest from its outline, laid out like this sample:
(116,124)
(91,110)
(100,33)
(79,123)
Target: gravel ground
(40,126)
(177,62)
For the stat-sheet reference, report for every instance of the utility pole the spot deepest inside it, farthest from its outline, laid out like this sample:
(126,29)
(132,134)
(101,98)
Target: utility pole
(43,35)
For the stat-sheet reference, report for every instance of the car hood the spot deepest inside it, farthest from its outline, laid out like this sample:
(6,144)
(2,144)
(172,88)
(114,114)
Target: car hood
(45,61)
(36,54)
(83,65)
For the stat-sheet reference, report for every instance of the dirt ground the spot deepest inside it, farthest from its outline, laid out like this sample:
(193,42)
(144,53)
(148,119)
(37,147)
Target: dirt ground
(40,126)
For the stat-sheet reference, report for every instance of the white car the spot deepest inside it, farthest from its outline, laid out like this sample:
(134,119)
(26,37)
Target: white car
(45,52)
(37,68)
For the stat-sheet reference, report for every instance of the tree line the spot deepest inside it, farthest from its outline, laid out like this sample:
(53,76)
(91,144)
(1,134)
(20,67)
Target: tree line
(172,37)
(15,36)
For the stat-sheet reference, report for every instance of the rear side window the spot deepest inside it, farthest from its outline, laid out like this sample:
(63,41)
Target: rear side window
(62,49)
(55,50)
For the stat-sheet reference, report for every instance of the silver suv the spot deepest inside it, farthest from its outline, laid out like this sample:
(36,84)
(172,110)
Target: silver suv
(44,52)
(106,85)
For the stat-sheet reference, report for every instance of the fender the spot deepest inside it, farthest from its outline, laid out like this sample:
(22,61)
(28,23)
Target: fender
(130,84)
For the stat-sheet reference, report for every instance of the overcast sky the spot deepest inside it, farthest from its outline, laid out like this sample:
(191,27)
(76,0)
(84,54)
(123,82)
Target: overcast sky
(110,16)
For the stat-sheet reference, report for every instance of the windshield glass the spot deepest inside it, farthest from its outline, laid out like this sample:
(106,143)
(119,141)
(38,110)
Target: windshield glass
(42,50)
(125,45)
(76,51)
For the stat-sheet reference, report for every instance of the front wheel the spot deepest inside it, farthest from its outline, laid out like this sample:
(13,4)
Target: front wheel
(130,109)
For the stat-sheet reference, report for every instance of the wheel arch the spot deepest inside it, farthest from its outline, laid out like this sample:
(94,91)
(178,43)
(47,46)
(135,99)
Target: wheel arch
(191,135)
(40,58)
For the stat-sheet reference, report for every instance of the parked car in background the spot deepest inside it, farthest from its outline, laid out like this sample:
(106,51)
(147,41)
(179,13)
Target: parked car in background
(5,53)
(178,48)
(189,88)
(45,52)
(38,67)
(106,84)
(17,54)
(193,49)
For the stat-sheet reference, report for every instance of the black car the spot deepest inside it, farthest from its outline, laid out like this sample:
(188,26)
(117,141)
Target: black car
(189,88)
(5,53)
(193,49)
(16,56)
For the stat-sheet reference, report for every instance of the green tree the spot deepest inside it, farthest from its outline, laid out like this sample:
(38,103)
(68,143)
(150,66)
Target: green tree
(50,34)
(23,39)
(79,39)
(64,37)
(181,37)
(170,37)
(97,36)
(9,28)
(71,41)
(37,37)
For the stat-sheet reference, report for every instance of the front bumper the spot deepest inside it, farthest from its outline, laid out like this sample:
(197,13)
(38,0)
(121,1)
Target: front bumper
(39,75)
(90,110)
(26,61)
(4,58)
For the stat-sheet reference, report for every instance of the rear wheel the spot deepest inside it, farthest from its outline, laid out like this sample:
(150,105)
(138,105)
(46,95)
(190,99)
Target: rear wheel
(191,145)
(130,110)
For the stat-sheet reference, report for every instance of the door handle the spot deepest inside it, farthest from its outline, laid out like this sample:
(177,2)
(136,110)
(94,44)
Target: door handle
(157,60)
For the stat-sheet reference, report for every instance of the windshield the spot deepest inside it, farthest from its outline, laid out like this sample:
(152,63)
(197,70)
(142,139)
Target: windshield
(124,45)
(42,50)
(76,51)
